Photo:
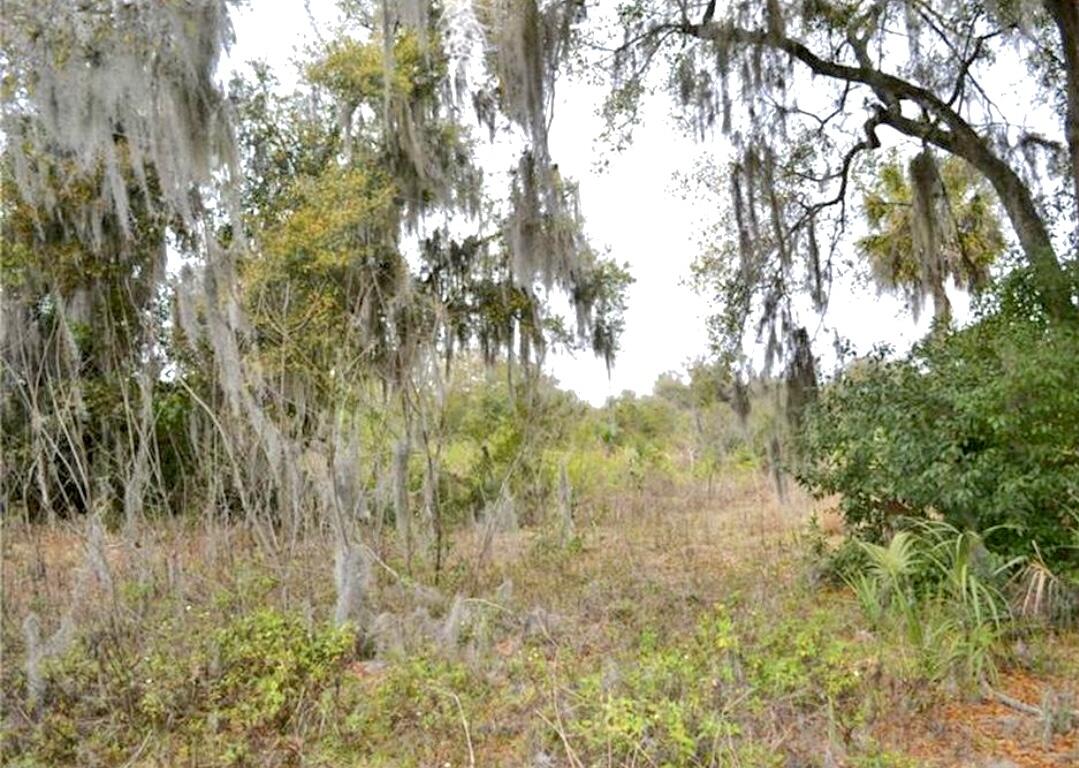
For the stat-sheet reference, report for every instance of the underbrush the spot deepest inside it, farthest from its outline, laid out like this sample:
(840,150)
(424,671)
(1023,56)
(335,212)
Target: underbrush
(702,699)
(213,693)
(685,634)
(957,611)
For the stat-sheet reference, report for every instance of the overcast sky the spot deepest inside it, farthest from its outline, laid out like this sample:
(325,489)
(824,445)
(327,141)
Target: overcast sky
(632,209)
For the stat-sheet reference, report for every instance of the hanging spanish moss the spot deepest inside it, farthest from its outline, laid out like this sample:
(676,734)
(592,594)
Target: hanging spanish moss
(297,312)
(525,43)
(787,190)
(115,90)
(352,580)
(543,231)
(528,41)
(801,377)
(934,237)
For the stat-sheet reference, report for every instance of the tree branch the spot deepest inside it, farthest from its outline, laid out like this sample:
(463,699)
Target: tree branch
(869,143)
(1066,17)
(943,127)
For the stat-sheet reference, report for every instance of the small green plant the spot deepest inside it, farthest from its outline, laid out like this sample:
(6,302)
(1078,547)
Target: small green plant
(425,695)
(252,679)
(270,662)
(941,587)
(887,583)
(869,593)
(667,703)
(881,758)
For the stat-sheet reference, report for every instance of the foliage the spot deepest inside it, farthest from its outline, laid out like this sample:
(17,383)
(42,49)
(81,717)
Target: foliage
(678,704)
(358,333)
(218,693)
(328,262)
(643,640)
(943,590)
(498,442)
(268,662)
(426,694)
(977,426)
(80,329)
(299,318)
(789,167)
(969,244)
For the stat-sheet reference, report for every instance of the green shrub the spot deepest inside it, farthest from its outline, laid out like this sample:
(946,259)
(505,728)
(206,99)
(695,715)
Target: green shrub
(979,427)
(423,693)
(219,697)
(269,661)
(665,704)
(689,700)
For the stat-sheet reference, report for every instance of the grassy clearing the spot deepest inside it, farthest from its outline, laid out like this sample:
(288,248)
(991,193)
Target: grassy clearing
(675,629)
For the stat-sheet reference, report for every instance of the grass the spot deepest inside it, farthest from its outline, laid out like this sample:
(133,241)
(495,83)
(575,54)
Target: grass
(675,629)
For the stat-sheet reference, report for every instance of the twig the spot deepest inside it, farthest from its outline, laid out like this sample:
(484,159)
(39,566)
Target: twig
(1017,704)
(464,722)
(489,604)
(570,754)
(135,756)
(468,734)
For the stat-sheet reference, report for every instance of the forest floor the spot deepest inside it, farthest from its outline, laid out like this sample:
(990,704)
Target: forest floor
(675,628)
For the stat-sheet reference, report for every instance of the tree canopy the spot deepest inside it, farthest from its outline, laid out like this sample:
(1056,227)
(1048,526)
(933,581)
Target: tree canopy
(805,91)
(338,244)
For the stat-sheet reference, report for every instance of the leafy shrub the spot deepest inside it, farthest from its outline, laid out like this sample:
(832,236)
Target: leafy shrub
(689,700)
(269,661)
(977,426)
(422,694)
(805,661)
(210,698)
(664,705)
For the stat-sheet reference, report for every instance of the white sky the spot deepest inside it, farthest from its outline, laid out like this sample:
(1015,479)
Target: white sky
(632,209)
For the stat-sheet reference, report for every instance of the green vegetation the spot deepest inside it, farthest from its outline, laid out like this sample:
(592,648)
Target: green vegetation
(597,652)
(976,426)
(220,694)
(286,480)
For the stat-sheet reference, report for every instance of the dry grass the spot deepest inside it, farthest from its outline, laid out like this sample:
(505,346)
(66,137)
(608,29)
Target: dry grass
(633,589)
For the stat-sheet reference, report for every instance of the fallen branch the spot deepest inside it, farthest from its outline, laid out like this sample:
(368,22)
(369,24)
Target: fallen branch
(1018,705)
(468,733)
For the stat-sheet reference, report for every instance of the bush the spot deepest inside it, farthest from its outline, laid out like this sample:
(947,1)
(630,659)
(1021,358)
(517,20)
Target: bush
(269,662)
(977,426)
(225,697)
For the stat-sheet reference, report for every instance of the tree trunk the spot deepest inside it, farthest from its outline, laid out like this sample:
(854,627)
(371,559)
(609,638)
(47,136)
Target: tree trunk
(1033,236)
(1066,15)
